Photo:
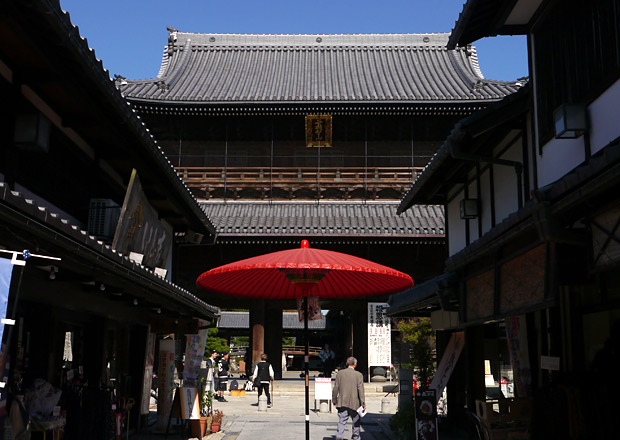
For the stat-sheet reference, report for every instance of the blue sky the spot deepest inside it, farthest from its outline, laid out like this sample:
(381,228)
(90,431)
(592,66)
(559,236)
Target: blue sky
(129,35)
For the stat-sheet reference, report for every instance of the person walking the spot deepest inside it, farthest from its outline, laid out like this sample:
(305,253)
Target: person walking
(222,377)
(348,397)
(327,356)
(263,375)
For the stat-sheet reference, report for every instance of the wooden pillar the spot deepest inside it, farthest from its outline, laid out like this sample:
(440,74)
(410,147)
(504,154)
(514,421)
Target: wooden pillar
(273,340)
(360,340)
(474,352)
(257,326)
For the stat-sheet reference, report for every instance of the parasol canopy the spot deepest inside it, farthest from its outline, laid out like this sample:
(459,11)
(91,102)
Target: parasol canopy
(305,271)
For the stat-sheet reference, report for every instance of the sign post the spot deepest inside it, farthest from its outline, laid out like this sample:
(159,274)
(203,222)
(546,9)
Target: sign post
(323,390)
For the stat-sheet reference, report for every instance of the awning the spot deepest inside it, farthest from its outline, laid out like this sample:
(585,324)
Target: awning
(438,293)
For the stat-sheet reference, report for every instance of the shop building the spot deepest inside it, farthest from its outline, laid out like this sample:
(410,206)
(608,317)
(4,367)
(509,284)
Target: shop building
(529,188)
(74,157)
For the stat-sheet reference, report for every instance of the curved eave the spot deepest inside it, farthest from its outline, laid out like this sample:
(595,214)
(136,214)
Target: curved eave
(49,27)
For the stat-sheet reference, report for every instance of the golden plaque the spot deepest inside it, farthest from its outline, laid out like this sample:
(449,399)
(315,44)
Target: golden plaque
(318,130)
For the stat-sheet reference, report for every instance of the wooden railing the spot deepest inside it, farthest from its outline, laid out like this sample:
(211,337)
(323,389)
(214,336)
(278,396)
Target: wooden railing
(291,178)
(286,349)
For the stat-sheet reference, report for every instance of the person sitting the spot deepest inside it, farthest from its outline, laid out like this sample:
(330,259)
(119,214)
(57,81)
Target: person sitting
(327,356)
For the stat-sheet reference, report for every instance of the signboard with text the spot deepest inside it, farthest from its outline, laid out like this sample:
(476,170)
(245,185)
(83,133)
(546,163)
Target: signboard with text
(379,336)
(426,415)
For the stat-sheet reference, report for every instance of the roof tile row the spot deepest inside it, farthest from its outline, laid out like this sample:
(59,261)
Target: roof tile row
(364,219)
(310,68)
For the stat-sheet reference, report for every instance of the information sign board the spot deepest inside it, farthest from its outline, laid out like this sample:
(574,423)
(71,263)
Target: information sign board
(379,336)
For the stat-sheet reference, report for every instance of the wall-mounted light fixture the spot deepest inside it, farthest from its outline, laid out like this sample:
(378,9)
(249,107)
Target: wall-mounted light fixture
(470,208)
(32,132)
(570,121)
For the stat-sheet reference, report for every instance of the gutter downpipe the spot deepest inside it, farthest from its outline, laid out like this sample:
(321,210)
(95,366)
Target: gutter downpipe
(518,166)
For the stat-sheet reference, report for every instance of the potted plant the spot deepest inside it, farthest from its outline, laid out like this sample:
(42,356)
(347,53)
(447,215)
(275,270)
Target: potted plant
(216,422)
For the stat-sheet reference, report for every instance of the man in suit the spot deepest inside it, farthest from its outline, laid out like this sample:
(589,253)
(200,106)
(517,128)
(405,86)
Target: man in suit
(347,397)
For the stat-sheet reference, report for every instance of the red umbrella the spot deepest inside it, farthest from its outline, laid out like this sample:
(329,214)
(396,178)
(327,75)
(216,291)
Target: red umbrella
(303,273)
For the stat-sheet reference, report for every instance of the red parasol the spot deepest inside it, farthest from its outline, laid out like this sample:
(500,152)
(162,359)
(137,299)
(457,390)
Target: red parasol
(302,273)
(293,274)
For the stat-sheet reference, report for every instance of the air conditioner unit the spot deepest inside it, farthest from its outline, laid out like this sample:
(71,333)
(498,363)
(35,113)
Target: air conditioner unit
(103,217)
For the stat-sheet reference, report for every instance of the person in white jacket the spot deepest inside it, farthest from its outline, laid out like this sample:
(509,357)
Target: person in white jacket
(263,374)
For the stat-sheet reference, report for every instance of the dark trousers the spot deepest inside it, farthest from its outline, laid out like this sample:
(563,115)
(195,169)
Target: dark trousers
(264,386)
(328,367)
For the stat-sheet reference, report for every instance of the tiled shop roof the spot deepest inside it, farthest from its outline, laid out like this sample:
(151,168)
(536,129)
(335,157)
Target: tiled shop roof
(87,246)
(325,218)
(211,68)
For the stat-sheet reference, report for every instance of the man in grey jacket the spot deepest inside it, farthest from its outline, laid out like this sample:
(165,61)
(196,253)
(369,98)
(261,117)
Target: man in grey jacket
(348,397)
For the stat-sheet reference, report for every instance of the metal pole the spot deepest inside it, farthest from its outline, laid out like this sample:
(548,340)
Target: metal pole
(306,361)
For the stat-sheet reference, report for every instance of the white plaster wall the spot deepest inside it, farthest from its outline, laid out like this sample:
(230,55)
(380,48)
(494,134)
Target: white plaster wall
(604,115)
(485,201)
(456,226)
(505,180)
(559,157)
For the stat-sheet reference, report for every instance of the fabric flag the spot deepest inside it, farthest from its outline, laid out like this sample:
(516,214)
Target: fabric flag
(6,269)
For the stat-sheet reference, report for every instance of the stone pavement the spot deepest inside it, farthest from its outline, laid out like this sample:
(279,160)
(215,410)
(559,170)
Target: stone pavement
(286,419)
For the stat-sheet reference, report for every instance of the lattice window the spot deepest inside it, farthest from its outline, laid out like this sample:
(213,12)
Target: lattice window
(522,280)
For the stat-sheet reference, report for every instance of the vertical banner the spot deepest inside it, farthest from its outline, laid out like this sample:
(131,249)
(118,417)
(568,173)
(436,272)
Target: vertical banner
(149,360)
(190,408)
(165,382)
(314,309)
(379,336)
(516,334)
(426,415)
(6,269)
(193,359)
(448,362)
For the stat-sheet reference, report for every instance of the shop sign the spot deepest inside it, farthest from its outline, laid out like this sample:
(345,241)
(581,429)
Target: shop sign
(139,229)
(426,415)
(190,409)
(165,383)
(516,335)
(448,362)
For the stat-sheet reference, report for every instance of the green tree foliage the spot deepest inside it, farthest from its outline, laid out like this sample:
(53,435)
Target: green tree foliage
(420,336)
(288,340)
(240,341)
(215,343)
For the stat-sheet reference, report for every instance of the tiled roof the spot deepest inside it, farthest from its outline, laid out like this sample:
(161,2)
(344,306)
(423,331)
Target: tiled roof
(325,218)
(84,75)
(80,241)
(211,68)
(290,320)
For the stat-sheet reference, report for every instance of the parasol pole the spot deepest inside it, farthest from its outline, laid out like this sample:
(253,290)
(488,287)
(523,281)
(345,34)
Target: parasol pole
(307,361)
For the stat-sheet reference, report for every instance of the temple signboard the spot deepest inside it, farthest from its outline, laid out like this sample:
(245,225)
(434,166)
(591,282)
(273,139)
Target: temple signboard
(318,131)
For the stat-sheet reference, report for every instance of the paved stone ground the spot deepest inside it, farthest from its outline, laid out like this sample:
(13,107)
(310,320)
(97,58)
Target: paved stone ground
(286,419)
